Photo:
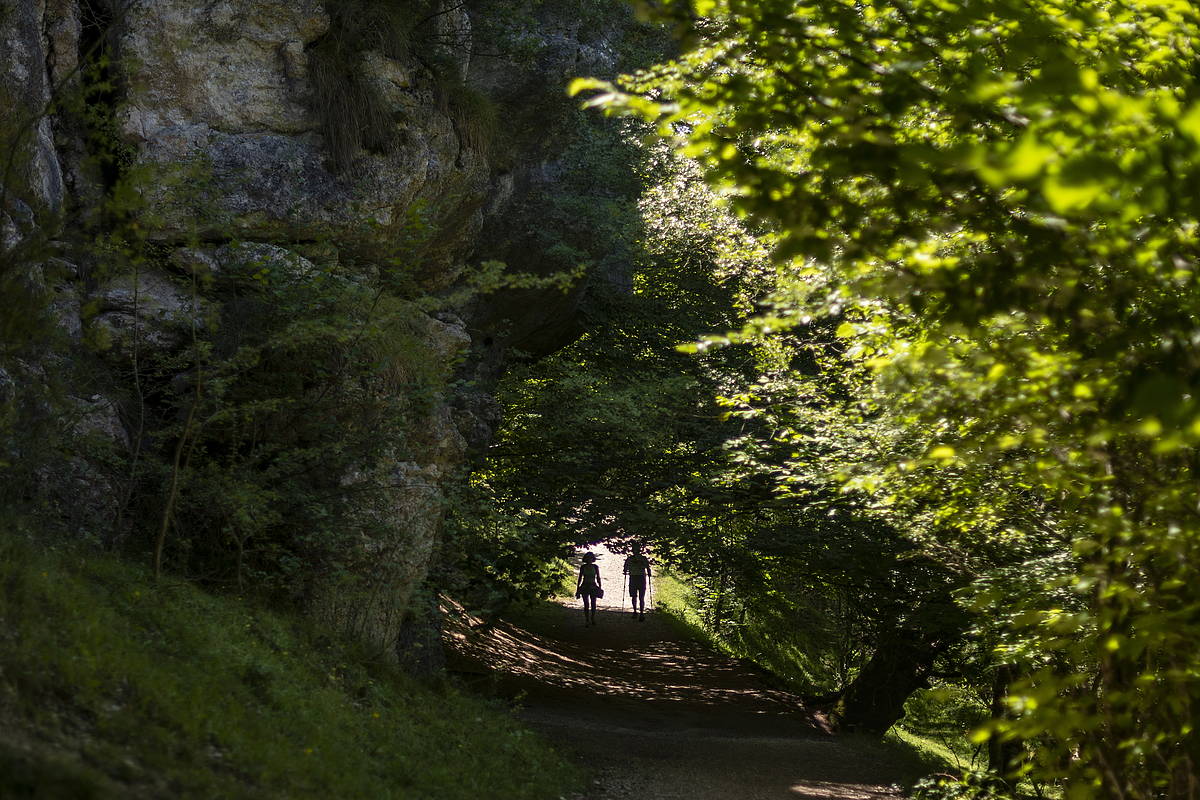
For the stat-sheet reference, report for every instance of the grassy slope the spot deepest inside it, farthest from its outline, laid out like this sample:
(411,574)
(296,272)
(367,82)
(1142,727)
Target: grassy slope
(113,687)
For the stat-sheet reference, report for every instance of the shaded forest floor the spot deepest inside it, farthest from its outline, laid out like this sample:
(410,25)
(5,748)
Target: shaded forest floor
(655,714)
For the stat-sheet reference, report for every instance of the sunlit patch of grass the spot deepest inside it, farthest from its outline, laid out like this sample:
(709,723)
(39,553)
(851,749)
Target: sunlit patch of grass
(673,598)
(130,684)
(938,722)
(934,754)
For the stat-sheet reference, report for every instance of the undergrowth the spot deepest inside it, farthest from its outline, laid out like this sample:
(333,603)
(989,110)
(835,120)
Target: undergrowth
(354,113)
(112,686)
(934,731)
(672,598)
(675,598)
(939,720)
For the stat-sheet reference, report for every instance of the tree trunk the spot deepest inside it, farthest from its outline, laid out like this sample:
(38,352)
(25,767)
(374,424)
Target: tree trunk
(903,659)
(874,701)
(719,607)
(1002,752)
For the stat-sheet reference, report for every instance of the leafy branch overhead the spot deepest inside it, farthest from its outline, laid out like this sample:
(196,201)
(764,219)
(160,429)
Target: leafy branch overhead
(992,203)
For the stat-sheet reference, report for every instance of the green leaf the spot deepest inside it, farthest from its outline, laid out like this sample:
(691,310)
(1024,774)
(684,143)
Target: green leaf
(1066,196)
(1028,159)
(1189,123)
(584,84)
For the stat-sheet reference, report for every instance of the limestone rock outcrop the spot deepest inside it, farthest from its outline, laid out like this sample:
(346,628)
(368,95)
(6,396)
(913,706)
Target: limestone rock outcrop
(33,177)
(215,120)
(220,97)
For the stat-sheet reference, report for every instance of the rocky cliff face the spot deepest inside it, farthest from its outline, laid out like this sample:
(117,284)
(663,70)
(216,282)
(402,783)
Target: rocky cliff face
(229,86)
(294,140)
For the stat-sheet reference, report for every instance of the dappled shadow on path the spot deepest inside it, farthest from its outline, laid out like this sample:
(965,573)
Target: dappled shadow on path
(657,715)
(621,659)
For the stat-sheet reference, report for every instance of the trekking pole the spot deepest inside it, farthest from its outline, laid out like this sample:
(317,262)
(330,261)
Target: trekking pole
(622,594)
(650,586)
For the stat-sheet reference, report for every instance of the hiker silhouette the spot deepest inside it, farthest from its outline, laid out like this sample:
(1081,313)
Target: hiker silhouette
(637,567)
(589,587)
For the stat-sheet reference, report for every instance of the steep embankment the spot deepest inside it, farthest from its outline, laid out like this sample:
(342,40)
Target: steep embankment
(113,687)
(656,714)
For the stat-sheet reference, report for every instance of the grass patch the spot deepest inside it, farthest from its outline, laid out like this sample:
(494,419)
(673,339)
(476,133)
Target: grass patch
(933,753)
(673,598)
(769,636)
(355,113)
(113,686)
(938,721)
(475,116)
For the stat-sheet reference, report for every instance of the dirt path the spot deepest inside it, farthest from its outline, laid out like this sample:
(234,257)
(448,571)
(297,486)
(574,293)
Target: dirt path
(658,716)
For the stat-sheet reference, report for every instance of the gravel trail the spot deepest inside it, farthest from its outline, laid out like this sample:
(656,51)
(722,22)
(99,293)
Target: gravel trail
(656,715)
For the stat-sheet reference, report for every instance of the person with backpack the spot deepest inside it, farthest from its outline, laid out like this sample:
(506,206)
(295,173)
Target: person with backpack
(589,587)
(637,567)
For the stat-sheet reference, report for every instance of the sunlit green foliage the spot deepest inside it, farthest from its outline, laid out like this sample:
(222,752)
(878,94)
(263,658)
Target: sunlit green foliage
(993,204)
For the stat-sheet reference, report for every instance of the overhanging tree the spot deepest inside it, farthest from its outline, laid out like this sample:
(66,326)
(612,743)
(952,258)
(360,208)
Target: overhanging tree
(995,203)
